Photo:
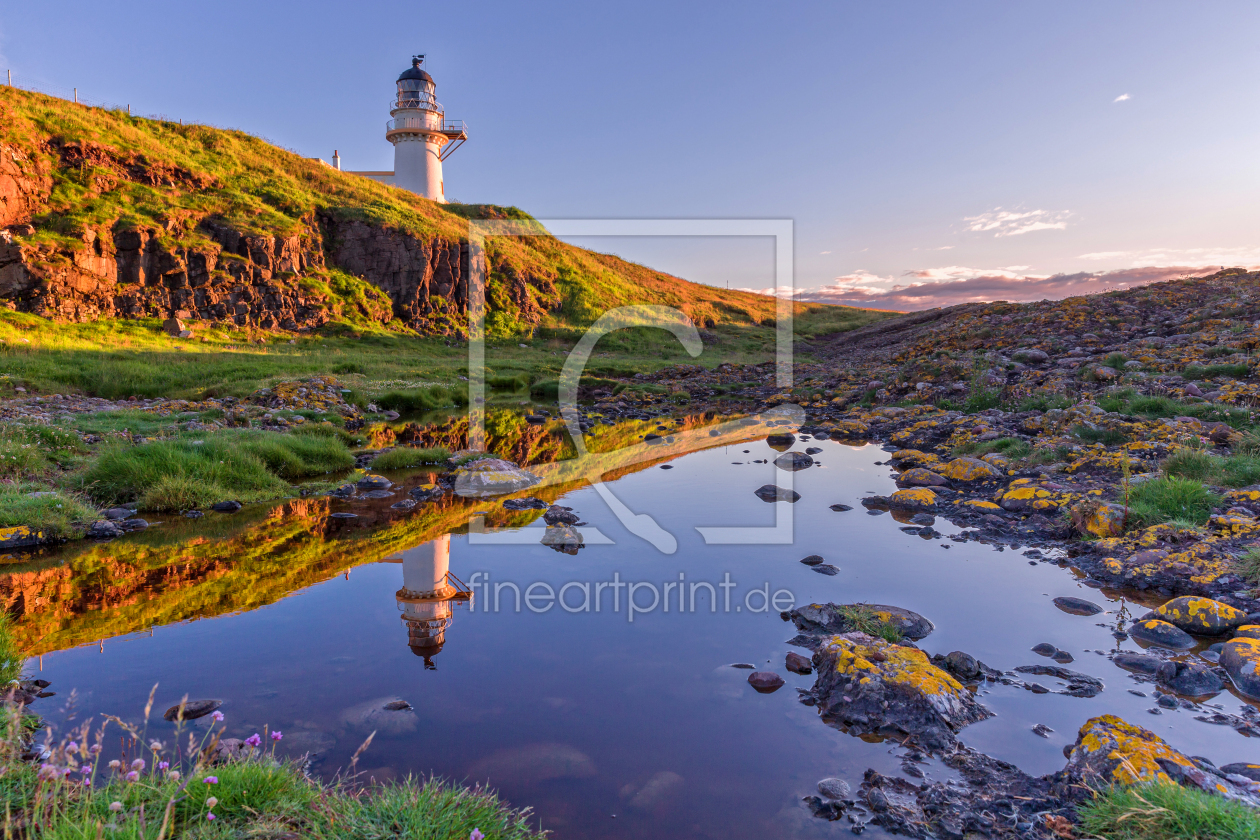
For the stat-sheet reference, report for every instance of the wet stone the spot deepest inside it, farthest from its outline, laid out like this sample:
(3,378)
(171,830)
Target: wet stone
(405,504)
(826,569)
(1161,633)
(193,709)
(841,508)
(1062,657)
(230,506)
(793,461)
(1203,616)
(116,513)
(812,560)
(1138,663)
(378,494)
(1045,649)
(1190,679)
(1077,606)
(774,493)
(834,789)
(798,664)
(765,681)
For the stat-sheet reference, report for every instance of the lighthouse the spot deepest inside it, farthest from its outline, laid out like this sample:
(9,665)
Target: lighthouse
(421,134)
(428,596)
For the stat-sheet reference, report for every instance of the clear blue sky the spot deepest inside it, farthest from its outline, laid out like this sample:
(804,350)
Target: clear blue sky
(910,141)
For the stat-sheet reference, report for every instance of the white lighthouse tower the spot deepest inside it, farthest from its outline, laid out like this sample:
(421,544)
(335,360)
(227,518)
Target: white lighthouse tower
(428,596)
(421,135)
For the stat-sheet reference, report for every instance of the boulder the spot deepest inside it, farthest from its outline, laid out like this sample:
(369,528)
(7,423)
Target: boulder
(1109,751)
(774,493)
(491,477)
(970,469)
(780,441)
(919,477)
(374,482)
(226,507)
(1161,634)
(1201,616)
(1241,660)
(425,492)
(563,538)
(1099,520)
(828,619)
(793,461)
(1189,678)
(1031,356)
(871,686)
(1138,663)
(915,497)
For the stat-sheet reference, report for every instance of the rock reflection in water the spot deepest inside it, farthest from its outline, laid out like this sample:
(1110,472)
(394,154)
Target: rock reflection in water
(428,596)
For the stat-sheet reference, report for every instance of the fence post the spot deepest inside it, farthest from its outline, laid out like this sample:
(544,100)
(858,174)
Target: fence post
(10,78)
(76,96)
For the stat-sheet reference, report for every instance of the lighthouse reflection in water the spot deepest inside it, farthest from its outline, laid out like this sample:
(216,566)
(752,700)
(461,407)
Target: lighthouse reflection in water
(428,596)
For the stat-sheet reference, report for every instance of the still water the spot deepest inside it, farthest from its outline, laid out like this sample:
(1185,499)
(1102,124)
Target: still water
(608,727)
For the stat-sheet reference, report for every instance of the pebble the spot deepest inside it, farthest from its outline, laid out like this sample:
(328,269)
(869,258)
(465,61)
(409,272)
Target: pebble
(834,789)
(765,681)
(812,560)
(1077,606)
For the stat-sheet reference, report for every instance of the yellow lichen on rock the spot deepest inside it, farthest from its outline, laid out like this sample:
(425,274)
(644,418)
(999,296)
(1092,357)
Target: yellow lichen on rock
(1201,615)
(913,497)
(1118,752)
(914,457)
(970,469)
(981,504)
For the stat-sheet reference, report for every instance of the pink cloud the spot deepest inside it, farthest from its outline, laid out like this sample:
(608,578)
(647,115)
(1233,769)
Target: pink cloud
(956,284)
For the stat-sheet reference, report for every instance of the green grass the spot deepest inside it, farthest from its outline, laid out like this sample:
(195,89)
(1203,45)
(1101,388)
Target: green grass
(1171,499)
(1228,470)
(1011,447)
(407,457)
(1115,361)
(864,619)
(419,400)
(1049,455)
(57,513)
(1044,403)
(1126,401)
(11,657)
(1213,371)
(198,470)
(1167,811)
(1109,437)
(1248,566)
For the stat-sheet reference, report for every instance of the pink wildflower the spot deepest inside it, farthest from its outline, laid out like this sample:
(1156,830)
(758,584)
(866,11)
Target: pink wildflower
(277,735)
(216,716)
(211,780)
(132,776)
(163,765)
(476,835)
(210,816)
(254,740)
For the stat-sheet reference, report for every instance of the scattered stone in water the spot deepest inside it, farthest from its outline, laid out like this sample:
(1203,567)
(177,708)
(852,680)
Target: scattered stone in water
(193,514)
(834,789)
(343,515)
(1138,663)
(1189,678)
(405,504)
(1078,684)
(765,681)
(1077,606)
(838,508)
(226,507)
(378,494)
(1203,616)
(1062,657)
(396,706)
(798,664)
(193,709)
(774,493)
(1045,649)
(793,461)
(813,450)
(812,560)
(826,569)
(527,503)
(560,515)
(104,529)
(1161,633)
(1167,701)
(667,466)
(374,482)
(744,665)
(116,513)
(1136,692)
(1042,730)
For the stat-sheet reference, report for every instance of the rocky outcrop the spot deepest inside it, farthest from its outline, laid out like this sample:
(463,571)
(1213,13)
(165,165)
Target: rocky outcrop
(25,184)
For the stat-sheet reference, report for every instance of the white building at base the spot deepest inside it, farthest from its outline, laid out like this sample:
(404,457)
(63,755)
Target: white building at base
(421,135)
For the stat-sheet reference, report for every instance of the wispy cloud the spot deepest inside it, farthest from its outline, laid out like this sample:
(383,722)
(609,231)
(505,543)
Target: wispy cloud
(1197,257)
(825,252)
(949,285)
(1124,97)
(1015,223)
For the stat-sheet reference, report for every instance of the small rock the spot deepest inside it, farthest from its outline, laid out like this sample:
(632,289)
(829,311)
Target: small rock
(1042,730)
(116,513)
(812,560)
(396,706)
(834,789)
(1161,633)
(793,461)
(841,508)
(774,493)
(1077,606)
(230,506)
(1045,649)
(765,681)
(405,504)
(798,664)
(193,709)
(826,569)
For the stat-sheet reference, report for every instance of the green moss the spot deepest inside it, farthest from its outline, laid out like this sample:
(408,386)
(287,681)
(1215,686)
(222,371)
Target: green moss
(1167,811)
(56,513)
(1213,371)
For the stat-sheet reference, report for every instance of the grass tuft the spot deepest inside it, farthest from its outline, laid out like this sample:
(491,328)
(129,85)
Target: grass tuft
(1171,499)
(864,619)
(1167,811)
(407,457)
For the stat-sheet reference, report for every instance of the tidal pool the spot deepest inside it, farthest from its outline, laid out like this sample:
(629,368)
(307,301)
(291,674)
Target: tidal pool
(608,727)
